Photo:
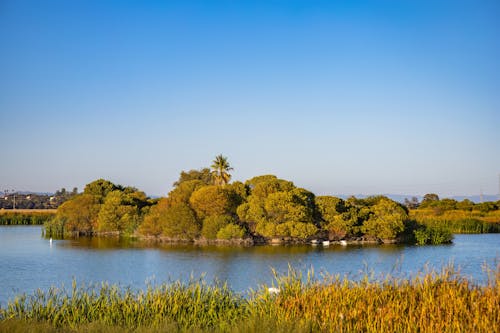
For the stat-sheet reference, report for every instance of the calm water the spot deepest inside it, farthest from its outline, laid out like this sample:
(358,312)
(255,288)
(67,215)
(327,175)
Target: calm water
(28,261)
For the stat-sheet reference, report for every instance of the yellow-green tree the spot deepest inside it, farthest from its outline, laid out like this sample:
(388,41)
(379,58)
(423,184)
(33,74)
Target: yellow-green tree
(179,222)
(152,223)
(214,200)
(100,189)
(213,224)
(387,219)
(276,207)
(117,214)
(79,214)
(334,216)
(183,191)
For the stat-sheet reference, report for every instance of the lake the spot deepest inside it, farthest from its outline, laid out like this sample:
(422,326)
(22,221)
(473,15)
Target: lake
(28,261)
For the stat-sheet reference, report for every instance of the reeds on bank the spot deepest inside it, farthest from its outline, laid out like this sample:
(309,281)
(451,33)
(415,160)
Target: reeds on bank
(431,302)
(26,216)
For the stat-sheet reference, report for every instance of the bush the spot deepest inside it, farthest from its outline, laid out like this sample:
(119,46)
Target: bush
(212,225)
(231,231)
(433,235)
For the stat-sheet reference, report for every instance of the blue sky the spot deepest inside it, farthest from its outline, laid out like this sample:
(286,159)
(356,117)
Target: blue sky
(341,97)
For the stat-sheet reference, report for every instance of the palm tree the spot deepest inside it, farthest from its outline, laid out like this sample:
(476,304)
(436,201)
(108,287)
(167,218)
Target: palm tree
(220,169)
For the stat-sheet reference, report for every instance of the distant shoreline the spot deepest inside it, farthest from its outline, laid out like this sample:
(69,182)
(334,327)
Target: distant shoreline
(25,211)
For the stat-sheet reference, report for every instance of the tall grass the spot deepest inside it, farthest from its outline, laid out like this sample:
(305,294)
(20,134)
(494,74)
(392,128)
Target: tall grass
(431,302)
(26,216)
(459,221)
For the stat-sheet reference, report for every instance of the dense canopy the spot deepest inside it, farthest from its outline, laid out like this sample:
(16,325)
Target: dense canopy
(204,206)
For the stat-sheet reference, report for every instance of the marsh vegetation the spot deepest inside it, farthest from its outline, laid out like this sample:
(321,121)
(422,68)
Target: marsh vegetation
(433,301)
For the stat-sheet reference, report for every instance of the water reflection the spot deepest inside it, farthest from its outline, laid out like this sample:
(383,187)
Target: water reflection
(28,261)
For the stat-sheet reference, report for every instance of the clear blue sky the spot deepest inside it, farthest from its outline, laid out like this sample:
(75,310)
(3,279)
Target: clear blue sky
(341,97)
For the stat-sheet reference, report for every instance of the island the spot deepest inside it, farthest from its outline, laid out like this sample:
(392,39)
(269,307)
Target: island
(204,207)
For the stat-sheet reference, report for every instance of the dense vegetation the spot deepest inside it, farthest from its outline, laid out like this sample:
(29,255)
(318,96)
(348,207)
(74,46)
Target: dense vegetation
(103,208)
(204,206)
(433,302)
(26,217)
(456,216)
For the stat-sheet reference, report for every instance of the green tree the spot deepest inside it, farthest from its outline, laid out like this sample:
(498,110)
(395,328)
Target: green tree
(214,200)
(429,200)
(179,222)
(182,193)
(220,170)
(231,231)
(212,225)
(118,214)
(412,204)
(334,216)
(152,223)
(100,189)
(275,207)
(465,204)
(79,215)
(387,219)
(204,175)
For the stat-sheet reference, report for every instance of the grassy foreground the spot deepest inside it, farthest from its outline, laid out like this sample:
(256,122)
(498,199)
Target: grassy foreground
(432,302)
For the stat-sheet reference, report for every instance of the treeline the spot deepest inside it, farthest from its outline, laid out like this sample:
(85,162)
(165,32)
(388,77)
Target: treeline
(457,216)
(204,206)
(102,208)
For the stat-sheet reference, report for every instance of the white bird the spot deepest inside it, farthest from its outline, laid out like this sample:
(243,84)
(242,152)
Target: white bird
(273,290)
(50,241)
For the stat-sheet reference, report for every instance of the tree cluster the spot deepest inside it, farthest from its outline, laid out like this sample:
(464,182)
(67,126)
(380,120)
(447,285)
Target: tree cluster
(103,207)
(205,206)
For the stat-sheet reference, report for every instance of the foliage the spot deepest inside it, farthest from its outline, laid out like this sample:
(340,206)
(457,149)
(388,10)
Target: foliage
(433,235)
(102,207)
(214,200)
(213,224)
(275,207)
(183,191)
(119,213)
(99,189)
(203,175)
(179,222)
(459,221)
(26,217)
(152,223)
(412,203)
(264,207)
(231,231)
(79,214)
(430,302)
(335,216)
(429,199)
(220,170)
(386,221)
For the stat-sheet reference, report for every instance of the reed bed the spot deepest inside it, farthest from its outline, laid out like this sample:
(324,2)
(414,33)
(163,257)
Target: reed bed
(459,221)
(431,302)
(26,216)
